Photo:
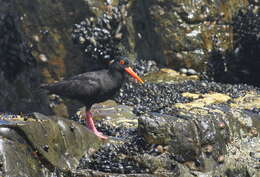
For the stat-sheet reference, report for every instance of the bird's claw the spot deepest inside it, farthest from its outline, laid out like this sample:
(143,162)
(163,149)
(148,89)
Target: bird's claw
(100,135)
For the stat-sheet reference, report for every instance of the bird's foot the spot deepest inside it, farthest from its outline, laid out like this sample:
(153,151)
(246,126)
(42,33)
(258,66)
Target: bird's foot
(91,126)
(99,134)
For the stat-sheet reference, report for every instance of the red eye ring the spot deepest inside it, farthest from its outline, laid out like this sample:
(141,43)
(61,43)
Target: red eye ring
(121,62)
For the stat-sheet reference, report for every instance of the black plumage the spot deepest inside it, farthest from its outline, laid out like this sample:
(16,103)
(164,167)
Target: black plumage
(93,87)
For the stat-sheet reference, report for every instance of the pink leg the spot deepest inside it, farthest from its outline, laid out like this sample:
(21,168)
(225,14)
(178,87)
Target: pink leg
(91,126)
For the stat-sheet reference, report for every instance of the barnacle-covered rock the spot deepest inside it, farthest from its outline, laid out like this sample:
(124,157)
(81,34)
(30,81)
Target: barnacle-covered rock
(186,135)
(209,129)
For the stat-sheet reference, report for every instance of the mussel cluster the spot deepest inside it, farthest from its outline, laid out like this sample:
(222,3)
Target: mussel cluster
(99,37)
(142,67)
(160,97)
(120,157)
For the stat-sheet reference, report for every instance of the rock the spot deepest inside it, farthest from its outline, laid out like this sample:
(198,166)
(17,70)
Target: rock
(191,72)
(182,34)
(39,41)
(202,131)
(159,164)
(186,127)
(168,75)
(115,115)
(36,45)
(239,65)
(93,173)
(185,135)
(219,131)
(17,157)
(203,100)
(66,140)
(41,144)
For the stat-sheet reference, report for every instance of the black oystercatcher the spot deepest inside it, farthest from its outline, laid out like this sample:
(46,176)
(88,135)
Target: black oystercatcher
(94,87)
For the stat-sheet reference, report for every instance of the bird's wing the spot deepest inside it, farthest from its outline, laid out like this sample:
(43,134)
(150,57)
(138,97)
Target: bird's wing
(88,75)
(81,89)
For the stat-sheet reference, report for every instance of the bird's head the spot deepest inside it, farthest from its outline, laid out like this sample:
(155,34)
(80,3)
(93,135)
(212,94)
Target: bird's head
(122,64)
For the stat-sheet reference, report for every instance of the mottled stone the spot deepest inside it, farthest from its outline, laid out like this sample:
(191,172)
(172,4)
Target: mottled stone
(171,29)
(36,145)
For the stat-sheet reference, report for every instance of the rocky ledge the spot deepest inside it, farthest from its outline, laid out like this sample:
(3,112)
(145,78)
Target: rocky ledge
(201,128)
(183,128)
(37,145)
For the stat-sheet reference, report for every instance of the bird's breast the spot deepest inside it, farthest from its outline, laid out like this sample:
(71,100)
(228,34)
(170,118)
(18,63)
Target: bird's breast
(110,88)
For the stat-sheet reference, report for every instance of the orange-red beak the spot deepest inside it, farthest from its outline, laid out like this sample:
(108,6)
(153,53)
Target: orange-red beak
(133,74)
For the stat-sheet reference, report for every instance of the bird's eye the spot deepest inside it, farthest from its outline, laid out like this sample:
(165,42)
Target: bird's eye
(121,62)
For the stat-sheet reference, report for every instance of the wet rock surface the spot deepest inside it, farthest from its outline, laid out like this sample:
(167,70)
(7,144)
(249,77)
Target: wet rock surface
(201,130)
(203,139)
(36,145)
(173,125)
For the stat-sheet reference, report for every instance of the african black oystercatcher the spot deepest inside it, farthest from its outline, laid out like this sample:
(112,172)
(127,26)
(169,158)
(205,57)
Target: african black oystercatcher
(94,87)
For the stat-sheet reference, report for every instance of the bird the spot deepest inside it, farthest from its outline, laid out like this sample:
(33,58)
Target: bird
(94,87)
